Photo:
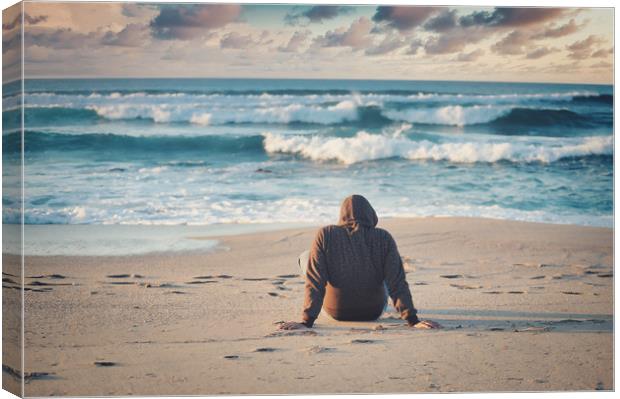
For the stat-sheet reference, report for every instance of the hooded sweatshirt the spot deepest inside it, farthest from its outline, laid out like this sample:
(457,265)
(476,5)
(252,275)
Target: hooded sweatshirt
(348,266)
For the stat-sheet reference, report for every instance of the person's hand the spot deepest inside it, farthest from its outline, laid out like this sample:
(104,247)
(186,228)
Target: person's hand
(292,325)
(426,325)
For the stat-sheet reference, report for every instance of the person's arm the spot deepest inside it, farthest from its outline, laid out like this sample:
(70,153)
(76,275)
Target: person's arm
(316,280)
(397,283)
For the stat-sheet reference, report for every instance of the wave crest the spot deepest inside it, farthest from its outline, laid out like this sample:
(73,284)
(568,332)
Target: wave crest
(344,111)
(368,147)
(453,115)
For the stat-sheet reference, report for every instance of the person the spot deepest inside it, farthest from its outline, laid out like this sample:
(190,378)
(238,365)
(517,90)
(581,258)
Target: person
(352,268)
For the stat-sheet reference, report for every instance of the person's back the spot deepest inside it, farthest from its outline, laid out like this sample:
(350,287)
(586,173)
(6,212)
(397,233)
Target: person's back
(351,264)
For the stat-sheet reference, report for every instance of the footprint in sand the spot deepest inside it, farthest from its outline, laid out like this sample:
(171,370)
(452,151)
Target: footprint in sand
(362,341)
(278,282)
(565,277)
(537,277)
(466,287)
(286,333)
(533,329)
(492,292)
(224,276)
(118,276)
(105,364)
(265,350)
(563,321)
(28,376)
(231,357)
(201,282)
(515,292)
(254,279)
(605,275)
(203,277)
(47,289)
(155,285)
(451,276)
(52,276)
(420,283)
(288,276)
(43,284)
(273,294)
(571,293)
(318,349)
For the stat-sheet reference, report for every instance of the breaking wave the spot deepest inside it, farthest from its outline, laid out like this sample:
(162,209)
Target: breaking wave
(368,147)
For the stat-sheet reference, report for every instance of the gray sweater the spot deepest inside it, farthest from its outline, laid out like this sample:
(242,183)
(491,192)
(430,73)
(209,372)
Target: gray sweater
(348,265)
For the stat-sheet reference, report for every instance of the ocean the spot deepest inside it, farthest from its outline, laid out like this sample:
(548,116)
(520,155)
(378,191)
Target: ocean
(237,151)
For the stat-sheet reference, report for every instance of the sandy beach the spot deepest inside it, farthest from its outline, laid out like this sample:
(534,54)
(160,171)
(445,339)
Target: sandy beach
(525,306)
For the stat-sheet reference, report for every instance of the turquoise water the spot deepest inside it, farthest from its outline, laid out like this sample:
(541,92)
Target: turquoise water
(208,151)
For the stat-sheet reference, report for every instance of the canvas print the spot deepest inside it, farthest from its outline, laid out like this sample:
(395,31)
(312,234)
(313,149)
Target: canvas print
(218,198)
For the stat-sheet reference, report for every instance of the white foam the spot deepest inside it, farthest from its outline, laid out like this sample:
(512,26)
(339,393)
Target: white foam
(367,147)
(115,103)
(233,100)
(453,115)
(341,112)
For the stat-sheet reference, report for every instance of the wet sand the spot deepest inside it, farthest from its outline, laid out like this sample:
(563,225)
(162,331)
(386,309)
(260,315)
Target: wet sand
(525,306)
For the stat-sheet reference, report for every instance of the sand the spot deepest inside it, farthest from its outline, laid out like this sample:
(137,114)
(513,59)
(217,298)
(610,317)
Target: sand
(525,306)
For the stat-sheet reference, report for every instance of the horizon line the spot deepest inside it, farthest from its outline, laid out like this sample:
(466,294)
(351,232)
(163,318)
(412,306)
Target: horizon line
(312,79)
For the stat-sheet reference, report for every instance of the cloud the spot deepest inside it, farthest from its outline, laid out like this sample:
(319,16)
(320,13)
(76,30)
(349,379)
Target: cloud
(471,56)
(603,53)
(563,30)
(63,38)
(540,52)
(295,42)
(403,18)
(138,10)
(453,41)
(445,21)
(186,22)
(234,40)
(582,49)
(133,35)
(28,19)
(511,17)
(356,37)
(602,64)
(414,46)
(315,14)
(512,44)
(389,44)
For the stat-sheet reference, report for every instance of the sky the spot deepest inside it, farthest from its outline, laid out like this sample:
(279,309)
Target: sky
(311,41)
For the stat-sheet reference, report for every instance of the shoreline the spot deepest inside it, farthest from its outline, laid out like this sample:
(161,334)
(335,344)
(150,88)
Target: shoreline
(193,237)
(525,306)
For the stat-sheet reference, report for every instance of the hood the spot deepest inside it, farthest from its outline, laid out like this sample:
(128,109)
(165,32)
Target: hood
(356,211)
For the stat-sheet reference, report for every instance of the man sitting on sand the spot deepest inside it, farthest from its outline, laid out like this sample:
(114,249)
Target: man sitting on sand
(351,268)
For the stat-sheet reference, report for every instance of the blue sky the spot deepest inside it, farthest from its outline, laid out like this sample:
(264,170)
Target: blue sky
(295,41)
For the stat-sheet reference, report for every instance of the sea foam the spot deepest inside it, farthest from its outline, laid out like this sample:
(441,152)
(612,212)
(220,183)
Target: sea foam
(454,115)
(368,147)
